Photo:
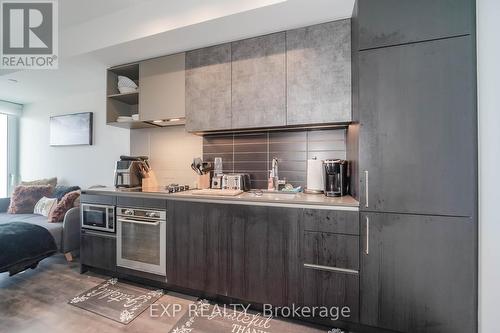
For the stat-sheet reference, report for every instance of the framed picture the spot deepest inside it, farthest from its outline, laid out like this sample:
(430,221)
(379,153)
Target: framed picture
(71,129)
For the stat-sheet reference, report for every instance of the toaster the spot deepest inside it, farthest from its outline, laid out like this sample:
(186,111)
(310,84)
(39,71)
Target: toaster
(236,181)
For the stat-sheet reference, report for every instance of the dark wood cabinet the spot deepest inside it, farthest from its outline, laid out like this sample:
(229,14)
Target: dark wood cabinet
(263,254)
(98,249)
(417,143)
(393,22)
(196,246)
(418,273)
(136,202)
(208,88)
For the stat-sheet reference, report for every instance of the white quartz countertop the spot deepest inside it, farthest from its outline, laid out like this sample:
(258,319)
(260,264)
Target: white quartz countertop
(298,200)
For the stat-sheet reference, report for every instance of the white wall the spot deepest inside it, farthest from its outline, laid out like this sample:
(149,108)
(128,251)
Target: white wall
(76,165)
(488,26)
(170,150)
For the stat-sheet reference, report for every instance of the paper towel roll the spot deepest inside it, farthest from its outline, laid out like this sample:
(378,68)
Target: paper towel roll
(315,176)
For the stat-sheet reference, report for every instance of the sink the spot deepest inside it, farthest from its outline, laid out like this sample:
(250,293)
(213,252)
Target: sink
(256,192)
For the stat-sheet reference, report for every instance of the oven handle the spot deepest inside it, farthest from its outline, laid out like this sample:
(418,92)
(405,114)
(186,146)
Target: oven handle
(139,222)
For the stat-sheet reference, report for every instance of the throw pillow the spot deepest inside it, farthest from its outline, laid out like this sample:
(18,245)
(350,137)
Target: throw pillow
(47,181)
(24,198)
(60,191)
(45,206)
(65,204)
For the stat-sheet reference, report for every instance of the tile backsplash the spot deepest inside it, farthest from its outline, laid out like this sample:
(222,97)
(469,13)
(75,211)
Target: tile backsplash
(252,153)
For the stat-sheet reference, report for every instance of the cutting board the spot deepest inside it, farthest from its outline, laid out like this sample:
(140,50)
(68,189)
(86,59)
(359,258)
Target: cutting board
(211,191)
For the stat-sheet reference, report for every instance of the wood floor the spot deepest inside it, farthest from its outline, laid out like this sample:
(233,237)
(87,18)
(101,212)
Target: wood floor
(36,301)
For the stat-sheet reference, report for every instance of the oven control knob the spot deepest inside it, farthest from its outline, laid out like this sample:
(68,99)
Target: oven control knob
(152,214)
(128,212)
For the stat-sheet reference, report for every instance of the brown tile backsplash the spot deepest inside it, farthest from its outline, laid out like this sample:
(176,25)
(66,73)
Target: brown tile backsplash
(252,153)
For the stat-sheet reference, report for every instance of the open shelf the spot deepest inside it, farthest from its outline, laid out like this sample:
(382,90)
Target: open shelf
(127,98)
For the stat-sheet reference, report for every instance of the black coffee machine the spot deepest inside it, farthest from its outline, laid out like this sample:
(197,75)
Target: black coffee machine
(336,177)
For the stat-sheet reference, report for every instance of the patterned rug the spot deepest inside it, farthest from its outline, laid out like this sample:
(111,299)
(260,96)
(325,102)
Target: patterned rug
(117,301)
(206,317)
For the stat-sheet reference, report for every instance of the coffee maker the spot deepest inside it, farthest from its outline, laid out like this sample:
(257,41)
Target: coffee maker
(336,178)
(130,170)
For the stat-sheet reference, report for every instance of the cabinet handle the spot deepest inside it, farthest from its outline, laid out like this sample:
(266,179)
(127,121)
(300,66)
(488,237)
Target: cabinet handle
(366,188)
(367,245)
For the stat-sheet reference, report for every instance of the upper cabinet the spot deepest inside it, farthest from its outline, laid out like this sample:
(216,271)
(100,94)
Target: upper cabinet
(393,22)
(259,82)
(208,88)
(162,88)
(319,73)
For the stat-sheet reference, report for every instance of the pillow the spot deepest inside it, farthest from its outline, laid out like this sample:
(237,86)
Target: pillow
(60,191)
(47,181)
(45,206)
(24,198)
(66,203)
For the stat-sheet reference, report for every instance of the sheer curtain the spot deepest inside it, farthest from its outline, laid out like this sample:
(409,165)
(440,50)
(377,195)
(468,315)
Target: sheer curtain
(9,146)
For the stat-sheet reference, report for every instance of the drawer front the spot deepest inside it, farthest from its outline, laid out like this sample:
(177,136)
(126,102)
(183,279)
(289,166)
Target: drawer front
(335,221)
(332,290)
(98,199)
(331,251)
(98,250)
(141,202)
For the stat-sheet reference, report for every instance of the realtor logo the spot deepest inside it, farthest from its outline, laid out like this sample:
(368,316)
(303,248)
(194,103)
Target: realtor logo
(29,34)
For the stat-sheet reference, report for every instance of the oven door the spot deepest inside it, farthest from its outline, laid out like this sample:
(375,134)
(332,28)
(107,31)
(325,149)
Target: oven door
(141,244)
(97,217)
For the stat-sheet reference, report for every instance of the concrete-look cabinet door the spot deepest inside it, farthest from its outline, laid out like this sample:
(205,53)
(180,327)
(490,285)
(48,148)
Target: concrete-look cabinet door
(161,88)
(208,88)
(258,82)
(319,73)
(418,142)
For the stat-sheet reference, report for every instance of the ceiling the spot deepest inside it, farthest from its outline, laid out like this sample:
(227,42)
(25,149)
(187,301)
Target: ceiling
(95,34)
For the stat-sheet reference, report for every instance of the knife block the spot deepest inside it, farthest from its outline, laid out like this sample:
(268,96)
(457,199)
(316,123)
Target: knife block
(204,181)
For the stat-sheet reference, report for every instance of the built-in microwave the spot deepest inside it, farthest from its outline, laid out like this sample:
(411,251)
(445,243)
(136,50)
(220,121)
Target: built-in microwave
(98,217)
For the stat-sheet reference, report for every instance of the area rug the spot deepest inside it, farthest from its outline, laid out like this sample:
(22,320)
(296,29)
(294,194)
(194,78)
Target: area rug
(117,301)
(205,317)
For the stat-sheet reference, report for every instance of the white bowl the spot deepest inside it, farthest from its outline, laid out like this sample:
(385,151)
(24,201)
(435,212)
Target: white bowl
(126,90)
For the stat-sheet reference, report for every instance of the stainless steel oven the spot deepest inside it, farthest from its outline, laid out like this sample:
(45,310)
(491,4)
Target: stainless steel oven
(141,240)
(97,217)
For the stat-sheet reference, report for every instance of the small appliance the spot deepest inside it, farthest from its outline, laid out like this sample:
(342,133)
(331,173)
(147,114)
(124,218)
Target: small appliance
(97,217)
(130,170)
(216,182)
(236,181)
(336,175)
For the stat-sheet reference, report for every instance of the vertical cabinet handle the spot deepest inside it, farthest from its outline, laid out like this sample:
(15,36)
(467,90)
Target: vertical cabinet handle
(367,244)
(366,188)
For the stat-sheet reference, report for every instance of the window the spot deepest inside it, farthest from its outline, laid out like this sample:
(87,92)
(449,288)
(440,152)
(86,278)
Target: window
(4,151)
(9,146)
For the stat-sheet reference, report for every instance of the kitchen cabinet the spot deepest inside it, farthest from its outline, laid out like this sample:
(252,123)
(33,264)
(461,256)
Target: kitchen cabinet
(258,90)
(263,254)
(162,88)
(196,246)
(144,203)
(393,22)
(417,143)
(331,272)
(318,73)
(208,88)
(418,273)
(98,250)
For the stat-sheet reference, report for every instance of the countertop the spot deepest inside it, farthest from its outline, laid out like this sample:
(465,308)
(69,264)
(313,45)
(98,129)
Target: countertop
(298,200)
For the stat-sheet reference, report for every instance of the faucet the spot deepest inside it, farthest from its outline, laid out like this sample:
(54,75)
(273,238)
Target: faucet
(274,174)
